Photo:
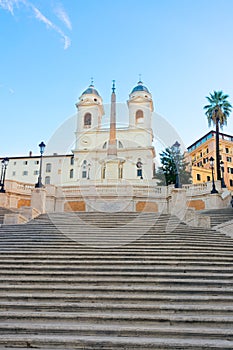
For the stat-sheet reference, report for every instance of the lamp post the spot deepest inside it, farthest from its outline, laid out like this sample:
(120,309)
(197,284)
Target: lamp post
(223,185)
(5,162)
(42,148)
(176,148)
(212,168)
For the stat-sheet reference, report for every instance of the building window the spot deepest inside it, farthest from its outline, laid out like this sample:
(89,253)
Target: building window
(231,170)
(14,163)
(25,173)
(36,172)
(208,178)
(139,116)
(87,120)
(231,182)
(228,159)
(71,173)
(198,177)
(72,161)
(25,162)
(139,168)
(84,169)
(227,150)
(13,173)
(48,167)
(47,180)
(36,162)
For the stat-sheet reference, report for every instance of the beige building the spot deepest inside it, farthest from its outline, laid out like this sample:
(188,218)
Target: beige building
(200,152)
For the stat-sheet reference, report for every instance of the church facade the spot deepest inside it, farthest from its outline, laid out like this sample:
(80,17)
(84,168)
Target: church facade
(100,154)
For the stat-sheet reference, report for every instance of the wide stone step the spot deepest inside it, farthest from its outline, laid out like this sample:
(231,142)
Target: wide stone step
(121,317)
(139,298)
(108,343)
(134,289)
(189,308)
(62,267)
(118,330)
(134,274)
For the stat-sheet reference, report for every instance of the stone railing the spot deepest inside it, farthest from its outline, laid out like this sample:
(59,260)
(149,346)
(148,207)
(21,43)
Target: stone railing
(18,187)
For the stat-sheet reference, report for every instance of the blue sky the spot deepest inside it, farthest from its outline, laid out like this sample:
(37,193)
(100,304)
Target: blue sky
(50,50)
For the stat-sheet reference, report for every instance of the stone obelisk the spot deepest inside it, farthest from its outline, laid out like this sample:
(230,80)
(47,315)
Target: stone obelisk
(112,162)
(112,144)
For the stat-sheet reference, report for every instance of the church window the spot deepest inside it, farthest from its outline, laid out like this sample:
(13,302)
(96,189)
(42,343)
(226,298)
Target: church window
(103,172)
(72,160)
(47,180)
(86,170)
(105,145)
(87,120)
(139,116)
(120,171)
(48,167)
(139,168)
(120,145)
(71,173)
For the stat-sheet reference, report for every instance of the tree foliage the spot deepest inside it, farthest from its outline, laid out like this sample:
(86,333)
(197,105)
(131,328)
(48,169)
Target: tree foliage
(172,163)
(218,108)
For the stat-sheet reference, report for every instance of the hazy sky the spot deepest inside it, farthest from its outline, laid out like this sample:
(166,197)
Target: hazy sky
(51,49)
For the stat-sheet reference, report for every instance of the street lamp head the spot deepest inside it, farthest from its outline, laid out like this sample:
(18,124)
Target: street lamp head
(211,162)
(176,146)
(42,147)
(6,161)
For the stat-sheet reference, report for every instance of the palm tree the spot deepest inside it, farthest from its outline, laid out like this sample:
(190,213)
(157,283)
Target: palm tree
(217,112)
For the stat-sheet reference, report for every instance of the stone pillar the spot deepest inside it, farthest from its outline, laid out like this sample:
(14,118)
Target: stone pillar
(59,200)
(4,200)
(112,169)
(38,200)
(178,201)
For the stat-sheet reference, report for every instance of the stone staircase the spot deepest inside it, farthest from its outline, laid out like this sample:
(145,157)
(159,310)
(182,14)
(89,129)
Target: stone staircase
(115,281)
(219,216)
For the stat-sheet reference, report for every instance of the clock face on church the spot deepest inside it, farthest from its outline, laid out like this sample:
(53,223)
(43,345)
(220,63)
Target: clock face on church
(85,141)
